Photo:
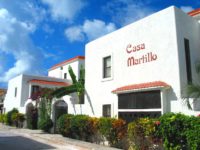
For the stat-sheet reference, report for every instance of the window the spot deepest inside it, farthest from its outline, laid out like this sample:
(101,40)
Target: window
(61,68)
(140,100)
(107,110)
(65,75)
(15,91)
(188,61)
(107,67)
(35,89)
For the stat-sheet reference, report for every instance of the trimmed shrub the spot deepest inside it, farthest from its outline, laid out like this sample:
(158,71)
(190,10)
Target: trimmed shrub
(80,127)
(114,130)
(45,124)
(193,133)
(63,125)
(3,118)
(172,130)
(9,115)
(141,134)
(18,119)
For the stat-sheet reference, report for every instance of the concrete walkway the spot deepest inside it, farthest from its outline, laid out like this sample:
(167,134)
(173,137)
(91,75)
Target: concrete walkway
(55,141)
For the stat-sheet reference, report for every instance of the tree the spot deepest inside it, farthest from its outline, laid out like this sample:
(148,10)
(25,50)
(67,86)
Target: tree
(193,89)
(78,86)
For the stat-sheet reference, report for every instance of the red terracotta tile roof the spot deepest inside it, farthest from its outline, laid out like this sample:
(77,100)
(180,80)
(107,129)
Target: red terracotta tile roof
(194,12)
(155,84)
(45,82)
(67,61)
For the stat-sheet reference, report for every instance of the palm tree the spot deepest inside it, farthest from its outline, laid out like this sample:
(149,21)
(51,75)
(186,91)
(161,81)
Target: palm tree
(193,89)
(78,86)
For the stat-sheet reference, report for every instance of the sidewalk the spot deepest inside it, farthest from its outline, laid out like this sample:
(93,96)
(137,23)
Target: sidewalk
(56,140)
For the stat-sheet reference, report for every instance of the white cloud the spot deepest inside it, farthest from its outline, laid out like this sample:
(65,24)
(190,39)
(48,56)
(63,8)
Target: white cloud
(74,33)
(91,29)
(124,12)
(64,9)
(15,40)
(187,8)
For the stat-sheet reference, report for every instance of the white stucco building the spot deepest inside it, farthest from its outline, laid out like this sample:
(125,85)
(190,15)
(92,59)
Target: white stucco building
(143,68)
(21,88)
(139,70)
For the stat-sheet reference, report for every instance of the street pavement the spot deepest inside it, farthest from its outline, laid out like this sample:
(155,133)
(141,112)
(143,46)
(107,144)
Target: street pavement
(24,139)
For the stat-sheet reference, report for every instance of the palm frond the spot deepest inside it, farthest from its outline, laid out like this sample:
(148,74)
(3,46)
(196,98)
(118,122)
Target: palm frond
(193,91)
(64,91)
(198,67)
(72,75)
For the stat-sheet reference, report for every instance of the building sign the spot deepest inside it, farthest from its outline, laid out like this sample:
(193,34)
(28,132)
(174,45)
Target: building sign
(145,58)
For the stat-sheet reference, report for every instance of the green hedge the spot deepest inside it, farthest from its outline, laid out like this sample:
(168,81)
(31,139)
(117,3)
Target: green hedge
(173,131)
(179,131)
(9,120)
(91,129)
(3,118)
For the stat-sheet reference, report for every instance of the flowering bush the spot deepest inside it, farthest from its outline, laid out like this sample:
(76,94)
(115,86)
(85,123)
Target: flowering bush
(141,133)
(114,130)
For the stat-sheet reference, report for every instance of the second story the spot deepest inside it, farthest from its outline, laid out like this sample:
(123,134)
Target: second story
(60,70)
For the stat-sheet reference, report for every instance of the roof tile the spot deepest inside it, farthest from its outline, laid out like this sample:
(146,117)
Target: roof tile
(45,82)
(141,86)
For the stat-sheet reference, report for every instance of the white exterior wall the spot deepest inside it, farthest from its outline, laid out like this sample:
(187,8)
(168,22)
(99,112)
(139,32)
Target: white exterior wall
(24,91)
(11,101)
(159,33)
(189,28)
(58,73)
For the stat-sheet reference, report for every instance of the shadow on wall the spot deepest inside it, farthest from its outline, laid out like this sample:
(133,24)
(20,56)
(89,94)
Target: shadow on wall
(171,96)
(90,102)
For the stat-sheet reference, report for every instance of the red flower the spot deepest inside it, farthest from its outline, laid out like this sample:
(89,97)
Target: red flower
(157,123)
(198,115)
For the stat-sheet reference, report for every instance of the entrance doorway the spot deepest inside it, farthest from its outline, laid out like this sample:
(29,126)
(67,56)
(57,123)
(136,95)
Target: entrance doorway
(60,108)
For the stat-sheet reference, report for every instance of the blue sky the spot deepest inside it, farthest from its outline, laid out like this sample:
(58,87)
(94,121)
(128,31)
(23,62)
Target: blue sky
(36,34)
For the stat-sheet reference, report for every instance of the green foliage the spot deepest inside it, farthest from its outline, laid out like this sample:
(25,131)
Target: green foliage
(45,124)
(193,133)
(141,133)
(9,115)
(80,127)
(3,118)
(114,130)
(18,119)
(44,121)
(175,130)
(78,86)
(63,125)
(193,89)
(32,118)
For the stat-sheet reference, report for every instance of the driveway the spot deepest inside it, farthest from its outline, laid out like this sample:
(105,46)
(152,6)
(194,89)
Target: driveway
(11,141)
(25,139)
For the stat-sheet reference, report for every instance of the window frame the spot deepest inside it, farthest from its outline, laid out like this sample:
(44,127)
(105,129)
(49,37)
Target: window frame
(106,110)
(105,68)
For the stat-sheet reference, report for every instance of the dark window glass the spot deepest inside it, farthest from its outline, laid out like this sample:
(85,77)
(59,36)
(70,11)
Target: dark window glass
(16,92)
(131,116)
(65,75)
(35,89)
(139,100)
(107,67)
(61,68)
(107,110)
(188,61)
(82,99)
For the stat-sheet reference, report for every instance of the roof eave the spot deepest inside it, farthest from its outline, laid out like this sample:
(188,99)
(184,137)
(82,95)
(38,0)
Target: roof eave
(142,89)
